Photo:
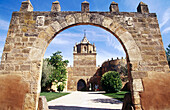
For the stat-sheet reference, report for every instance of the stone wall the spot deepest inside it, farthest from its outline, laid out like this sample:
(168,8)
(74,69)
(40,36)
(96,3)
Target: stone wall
(31,32)
(110,65)
(84,68)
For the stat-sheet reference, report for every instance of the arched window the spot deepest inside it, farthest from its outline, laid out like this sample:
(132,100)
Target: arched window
(85,48)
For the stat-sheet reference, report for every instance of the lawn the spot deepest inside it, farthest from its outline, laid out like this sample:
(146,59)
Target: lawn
(52,95)
(119,95)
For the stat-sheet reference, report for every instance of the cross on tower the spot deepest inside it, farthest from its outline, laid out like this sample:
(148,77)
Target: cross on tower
(85,33)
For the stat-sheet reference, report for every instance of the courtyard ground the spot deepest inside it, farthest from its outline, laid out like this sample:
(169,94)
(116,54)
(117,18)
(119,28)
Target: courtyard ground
(85,101)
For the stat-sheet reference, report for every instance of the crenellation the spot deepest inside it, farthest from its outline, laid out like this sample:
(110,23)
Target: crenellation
(143,8)
(56,7)
(85,6)
(114,7)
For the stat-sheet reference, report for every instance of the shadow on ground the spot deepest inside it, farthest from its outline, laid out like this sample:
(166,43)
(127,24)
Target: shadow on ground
(60,107)
(111,101)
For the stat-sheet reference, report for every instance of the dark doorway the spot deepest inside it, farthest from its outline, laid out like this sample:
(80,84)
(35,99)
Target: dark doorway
(81,85)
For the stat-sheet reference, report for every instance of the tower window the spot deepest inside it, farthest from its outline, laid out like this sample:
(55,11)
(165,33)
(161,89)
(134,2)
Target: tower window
(84,48)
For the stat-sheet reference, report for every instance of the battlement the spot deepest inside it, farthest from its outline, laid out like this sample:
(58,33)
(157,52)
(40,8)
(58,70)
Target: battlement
(114,62)
(27,6)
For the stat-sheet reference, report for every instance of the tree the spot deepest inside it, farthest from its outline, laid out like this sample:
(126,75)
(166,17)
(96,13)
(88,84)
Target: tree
(60,87)
(111,81)
(59,71)
(168,54)
(47,70)
(124,73)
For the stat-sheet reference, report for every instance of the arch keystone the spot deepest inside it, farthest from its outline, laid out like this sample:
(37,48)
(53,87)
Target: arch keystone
(86,17)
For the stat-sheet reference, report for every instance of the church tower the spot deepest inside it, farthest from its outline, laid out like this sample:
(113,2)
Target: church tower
(84,66)
(84,54)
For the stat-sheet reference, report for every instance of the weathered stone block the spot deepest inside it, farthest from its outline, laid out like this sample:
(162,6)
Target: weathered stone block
(138,74)
(137,85)
(30,102)
(27,50)
(42,104)
(70,19)
(7,48)
(56,26)
(78,18)
(25,68)
(86,17)
(107,22)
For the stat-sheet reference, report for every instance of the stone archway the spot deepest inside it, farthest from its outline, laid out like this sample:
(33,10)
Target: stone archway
(30,33)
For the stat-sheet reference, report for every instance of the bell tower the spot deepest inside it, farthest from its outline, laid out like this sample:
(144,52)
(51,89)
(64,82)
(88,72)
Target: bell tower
(84,53)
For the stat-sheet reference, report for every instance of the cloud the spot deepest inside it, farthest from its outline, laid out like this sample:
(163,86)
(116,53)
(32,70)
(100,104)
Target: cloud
(165,18)
(69,34)
(1,51)
(2,38)
(103,55)
(60,41)
(111,41)
(4,24)
(166,30)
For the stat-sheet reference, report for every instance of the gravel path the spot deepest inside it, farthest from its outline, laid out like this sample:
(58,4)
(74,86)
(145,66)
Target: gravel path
(85,101)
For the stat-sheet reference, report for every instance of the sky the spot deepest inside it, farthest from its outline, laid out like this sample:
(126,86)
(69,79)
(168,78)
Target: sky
(106,44)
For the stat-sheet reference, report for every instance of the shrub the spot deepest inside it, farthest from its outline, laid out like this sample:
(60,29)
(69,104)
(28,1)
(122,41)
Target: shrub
(60,87)
(111,81)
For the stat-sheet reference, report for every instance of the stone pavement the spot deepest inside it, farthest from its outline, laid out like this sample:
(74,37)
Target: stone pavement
(85,101)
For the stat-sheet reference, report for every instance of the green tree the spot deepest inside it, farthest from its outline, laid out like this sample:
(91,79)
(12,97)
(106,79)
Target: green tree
(168,52)
(60,87)
(59,71)
(47,70)
(111,81)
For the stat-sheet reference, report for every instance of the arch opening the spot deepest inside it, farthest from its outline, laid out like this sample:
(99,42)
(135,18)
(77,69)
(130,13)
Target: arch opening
(129,50)
(112,35)
(81,85)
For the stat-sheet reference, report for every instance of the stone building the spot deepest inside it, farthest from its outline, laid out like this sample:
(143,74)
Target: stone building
(84,75)
(84,66)
(110,65)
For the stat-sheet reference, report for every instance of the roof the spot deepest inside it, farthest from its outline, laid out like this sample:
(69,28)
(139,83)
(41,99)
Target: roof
(85,2)
(141,3)
(84,40)
(114,2)
(56,2)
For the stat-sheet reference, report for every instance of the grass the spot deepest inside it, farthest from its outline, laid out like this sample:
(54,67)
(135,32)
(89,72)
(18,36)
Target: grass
(52,95)
(119,95)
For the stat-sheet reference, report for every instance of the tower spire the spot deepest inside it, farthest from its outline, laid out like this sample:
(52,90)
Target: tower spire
(84,40)
(85,33)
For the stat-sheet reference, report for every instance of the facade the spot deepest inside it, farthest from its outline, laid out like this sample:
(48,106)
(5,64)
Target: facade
(84,66)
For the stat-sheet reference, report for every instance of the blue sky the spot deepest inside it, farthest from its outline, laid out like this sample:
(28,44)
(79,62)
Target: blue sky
(106,44)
